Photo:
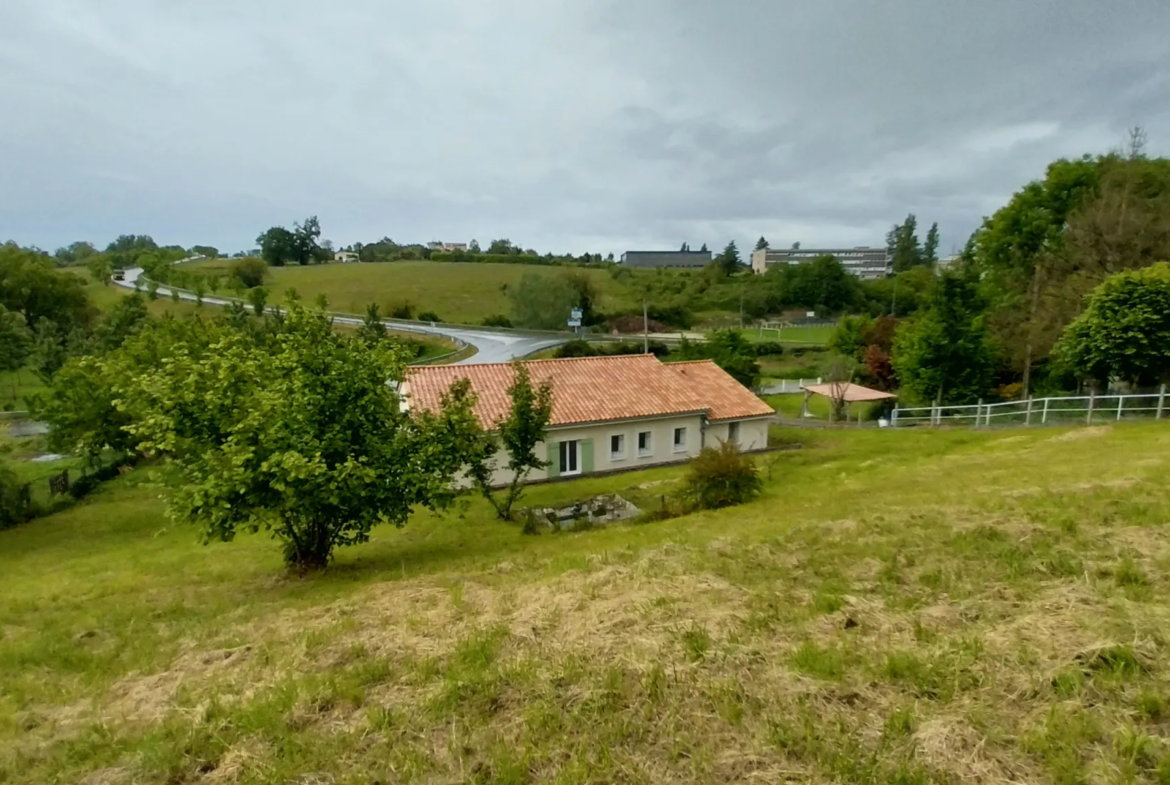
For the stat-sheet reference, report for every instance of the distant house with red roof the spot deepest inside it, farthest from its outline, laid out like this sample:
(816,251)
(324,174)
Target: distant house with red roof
(612,413)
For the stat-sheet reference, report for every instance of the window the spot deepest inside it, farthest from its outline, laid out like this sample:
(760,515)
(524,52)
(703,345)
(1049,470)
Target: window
(680,439)
(617,447)
(645,445)
(570,458)
(733,433)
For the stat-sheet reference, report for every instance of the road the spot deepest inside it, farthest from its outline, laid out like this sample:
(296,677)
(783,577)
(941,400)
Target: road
(490,347)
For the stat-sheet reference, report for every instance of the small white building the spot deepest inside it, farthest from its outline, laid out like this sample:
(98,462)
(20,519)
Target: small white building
(346,257)
(611,413)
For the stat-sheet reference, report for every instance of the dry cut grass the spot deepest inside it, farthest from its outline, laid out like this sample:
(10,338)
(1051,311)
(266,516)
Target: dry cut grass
(922,608)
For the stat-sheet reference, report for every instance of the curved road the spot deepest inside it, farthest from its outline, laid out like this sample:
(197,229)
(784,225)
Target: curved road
(490,347)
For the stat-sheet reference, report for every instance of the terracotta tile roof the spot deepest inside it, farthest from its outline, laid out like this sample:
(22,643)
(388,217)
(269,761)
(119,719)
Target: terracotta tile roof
(725,398)
(595,389)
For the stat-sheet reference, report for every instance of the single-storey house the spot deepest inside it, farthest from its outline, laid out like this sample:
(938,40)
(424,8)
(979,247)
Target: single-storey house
(346,257)
(610,413)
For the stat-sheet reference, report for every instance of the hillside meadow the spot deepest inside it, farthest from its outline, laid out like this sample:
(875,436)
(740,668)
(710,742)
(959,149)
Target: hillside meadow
(17,387)
(898,607)
(466,293)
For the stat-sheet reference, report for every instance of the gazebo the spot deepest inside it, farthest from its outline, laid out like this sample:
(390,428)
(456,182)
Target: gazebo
(843,394)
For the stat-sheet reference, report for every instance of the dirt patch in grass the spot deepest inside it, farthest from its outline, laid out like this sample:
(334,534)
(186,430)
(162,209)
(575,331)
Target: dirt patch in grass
(1092,432)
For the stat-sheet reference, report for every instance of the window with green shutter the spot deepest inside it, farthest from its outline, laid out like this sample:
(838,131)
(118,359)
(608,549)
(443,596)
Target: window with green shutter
(586,455)
(554,459)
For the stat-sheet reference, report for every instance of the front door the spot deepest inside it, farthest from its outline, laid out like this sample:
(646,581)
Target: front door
(570,457)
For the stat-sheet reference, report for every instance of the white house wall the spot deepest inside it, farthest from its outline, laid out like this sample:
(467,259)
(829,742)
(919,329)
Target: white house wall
(753,435)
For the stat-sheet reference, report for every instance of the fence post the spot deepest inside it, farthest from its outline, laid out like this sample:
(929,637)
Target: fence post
(1161,400)
(1044,417)
(1120,403)
(1092,400)
(1028,413)
(978,412)
(894,418)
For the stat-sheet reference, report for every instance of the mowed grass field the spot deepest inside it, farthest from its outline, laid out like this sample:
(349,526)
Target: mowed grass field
(464,293)
(898,607)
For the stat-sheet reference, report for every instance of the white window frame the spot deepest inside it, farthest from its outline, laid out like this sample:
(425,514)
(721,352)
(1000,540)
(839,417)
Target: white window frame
(621,454)
(563,454)
(679,447)
(649,451)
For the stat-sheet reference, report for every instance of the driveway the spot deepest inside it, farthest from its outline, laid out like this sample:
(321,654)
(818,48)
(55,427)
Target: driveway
(491,347)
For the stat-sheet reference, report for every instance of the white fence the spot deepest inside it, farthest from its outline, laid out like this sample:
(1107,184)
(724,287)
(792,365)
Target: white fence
(1063,410)
(786,386)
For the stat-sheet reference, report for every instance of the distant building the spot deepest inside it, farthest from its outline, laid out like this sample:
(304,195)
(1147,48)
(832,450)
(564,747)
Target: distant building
(447,247)
(864,262)
(947,262)
(689,260)
(345,257)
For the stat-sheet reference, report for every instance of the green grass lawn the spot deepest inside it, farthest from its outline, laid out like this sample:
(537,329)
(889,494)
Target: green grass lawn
(812,336)
(902,607)
(16,387)
(465,293)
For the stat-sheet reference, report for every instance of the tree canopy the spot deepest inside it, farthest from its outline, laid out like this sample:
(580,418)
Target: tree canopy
(947,353)
(543,302)
(1124,332)
(304,437)
(31,285)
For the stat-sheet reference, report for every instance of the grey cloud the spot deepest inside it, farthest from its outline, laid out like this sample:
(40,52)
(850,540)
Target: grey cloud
(563,124)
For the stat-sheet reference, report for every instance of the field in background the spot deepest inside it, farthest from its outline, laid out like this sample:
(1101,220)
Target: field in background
(903,607)
(464,293)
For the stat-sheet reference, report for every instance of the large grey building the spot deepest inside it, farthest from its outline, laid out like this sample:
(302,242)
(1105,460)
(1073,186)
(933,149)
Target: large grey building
(689,260)
(866,263)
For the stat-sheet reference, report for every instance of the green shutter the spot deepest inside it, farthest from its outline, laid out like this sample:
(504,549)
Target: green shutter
(554,459)
(586,456)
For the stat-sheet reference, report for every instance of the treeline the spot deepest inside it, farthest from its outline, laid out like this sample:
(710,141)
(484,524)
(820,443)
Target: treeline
(1063,287)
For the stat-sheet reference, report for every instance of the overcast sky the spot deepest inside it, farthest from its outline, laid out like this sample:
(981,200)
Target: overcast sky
(564,125)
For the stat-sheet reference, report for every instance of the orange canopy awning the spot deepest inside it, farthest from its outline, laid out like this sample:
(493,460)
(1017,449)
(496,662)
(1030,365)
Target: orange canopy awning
(848,392)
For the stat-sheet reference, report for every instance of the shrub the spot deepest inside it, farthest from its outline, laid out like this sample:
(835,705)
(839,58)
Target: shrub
(14,499)
(403,310)
(769,349)
(722,477)
(249,271)
(429,316)
(497,320)
(577,348)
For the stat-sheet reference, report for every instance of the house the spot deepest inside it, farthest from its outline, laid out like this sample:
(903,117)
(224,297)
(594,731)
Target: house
(610,413)
(345,257)
(447,247)
(685,260)
(863,262)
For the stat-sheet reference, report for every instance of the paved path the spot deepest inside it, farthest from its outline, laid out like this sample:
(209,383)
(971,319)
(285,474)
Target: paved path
(491,347)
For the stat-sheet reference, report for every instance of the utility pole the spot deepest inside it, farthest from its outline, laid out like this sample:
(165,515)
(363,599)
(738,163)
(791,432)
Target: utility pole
(645,327)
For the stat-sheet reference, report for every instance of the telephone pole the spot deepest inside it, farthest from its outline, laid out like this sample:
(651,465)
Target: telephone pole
(645,327)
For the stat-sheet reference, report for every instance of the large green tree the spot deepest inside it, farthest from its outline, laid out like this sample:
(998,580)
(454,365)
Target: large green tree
(542,302)
(1124,332)
(947,353)
(278,247)
(822,283)
(902,244)
(729,260)
(730,350)
(31,285)
(930,248)
(15,340)
(1059,237)
(305,436)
